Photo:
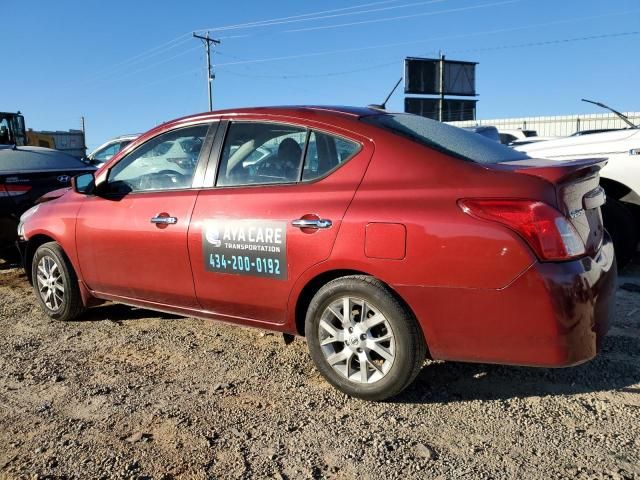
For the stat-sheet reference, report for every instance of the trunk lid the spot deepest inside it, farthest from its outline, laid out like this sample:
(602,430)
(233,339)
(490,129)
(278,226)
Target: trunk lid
(578,192)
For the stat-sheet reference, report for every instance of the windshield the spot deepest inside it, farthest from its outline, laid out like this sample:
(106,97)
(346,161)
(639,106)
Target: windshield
(446,138)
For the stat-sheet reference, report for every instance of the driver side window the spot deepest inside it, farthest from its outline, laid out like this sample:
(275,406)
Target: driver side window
(166,162)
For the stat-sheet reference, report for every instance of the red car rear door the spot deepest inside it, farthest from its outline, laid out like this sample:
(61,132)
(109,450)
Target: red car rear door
(280,194)
(132,237)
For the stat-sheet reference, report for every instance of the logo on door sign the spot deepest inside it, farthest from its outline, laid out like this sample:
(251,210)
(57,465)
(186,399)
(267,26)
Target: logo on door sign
(245,247)
(213,237)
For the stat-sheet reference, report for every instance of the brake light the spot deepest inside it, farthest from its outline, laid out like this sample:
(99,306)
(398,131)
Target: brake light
(9,190)
(544,228)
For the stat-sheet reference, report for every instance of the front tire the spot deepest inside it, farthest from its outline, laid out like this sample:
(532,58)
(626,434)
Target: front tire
(374,351)
(55,283)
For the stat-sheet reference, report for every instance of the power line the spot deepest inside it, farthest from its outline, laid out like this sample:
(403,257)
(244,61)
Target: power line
(116,78)
(428,40)
(183,38)
(552,42)
(311,75)
(322,15)
(260,23)
(404,17)
(177,41)
(395,44)
(498,47)
(223,66)
(143,56)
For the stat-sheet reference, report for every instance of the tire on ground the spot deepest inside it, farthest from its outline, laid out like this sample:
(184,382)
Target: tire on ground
(410,346)
(71,306)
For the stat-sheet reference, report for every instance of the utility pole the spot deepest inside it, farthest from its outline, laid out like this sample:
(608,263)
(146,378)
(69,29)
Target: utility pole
(84,135)
(441,103)
(210,76)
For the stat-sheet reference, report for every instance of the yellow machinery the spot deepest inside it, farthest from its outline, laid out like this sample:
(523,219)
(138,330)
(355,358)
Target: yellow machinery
(13,132)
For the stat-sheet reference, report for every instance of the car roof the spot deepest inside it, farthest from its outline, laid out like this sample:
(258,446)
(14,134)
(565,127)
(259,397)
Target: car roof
(301,111)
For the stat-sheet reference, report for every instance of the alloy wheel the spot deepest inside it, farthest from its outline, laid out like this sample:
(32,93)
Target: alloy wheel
(357,340)
(50,283)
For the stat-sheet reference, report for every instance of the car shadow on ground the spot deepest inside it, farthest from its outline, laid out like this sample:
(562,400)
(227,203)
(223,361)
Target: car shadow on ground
(117,312)
(8,264)
(617,367)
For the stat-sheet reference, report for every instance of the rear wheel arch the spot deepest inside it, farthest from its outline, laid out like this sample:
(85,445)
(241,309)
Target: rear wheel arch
(621,215)
(316,283)
(616,189)
(310,289)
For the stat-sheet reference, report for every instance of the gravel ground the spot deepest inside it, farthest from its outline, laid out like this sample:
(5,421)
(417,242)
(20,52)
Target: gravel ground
(130,393)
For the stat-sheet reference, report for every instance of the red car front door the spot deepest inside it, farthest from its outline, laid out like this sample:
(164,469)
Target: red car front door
(263,225)
(132,240)
(122,253)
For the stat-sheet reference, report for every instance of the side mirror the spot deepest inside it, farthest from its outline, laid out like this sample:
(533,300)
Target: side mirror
(84,183)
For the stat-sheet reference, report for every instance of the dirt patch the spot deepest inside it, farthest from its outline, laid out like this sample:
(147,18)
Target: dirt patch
(130,393)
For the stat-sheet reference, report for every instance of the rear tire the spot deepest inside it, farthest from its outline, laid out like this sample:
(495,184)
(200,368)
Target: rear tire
(55,283)
(621,225)
(376,350)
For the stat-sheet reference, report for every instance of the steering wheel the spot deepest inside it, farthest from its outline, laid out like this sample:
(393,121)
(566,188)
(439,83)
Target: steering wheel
(157,180)
(176,177)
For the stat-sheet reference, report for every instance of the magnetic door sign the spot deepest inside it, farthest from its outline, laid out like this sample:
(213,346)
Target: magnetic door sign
(246,247)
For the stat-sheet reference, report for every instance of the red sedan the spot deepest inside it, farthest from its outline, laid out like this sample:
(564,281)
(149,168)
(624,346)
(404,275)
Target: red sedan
(381,237)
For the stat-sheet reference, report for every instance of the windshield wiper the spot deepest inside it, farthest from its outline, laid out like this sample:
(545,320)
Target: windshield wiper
(622,116)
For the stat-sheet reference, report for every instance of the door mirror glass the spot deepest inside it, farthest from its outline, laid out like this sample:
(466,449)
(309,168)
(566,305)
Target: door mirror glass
(83,183)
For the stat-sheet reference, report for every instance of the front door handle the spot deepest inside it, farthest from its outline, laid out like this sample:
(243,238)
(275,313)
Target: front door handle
(164,220)
(312,223)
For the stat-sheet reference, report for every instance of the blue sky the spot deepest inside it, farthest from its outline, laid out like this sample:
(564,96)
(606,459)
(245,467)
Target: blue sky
(127,66)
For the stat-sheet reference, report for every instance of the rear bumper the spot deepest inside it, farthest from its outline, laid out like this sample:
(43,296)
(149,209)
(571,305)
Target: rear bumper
(553,315)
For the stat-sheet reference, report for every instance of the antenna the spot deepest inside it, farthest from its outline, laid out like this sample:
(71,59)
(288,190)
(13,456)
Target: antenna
(383,105)
(622,116)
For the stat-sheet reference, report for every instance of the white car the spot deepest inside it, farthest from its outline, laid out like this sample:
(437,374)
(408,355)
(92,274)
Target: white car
(620,178)
(509,135)
(108,149)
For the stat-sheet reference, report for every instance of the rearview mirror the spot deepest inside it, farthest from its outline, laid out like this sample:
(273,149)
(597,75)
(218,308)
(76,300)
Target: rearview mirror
(84,183)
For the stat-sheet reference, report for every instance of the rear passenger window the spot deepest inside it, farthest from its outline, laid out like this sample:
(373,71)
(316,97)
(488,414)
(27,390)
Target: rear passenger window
(261,153)
(325,153)
(269,153)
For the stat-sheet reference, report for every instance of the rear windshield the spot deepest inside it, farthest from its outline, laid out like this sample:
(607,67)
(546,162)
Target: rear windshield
(446,138)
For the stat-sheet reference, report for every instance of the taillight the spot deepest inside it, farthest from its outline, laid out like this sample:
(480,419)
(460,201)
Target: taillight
(544,228)
(9,190)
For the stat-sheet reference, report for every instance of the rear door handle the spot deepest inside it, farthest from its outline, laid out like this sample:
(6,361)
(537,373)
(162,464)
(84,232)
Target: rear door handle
(312,223)
(164,220)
